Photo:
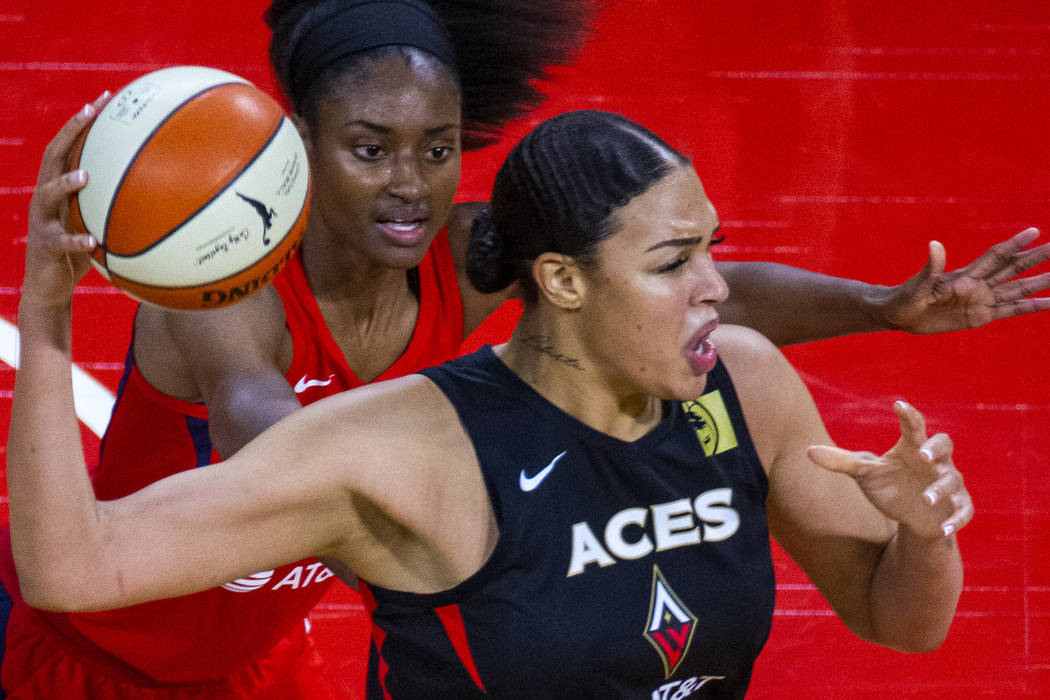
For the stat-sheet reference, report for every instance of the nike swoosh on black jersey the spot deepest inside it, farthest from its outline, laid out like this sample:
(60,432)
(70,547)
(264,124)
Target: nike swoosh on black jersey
(530,483)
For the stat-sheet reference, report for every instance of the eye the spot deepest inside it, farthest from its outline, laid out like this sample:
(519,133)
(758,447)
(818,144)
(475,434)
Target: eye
(715,240)
(674,264)
(369,151)
(439,154)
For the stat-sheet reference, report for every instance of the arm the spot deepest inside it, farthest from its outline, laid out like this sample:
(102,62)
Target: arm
(812,306)
(233,359)
(192,532)
(861,528)
(316,484)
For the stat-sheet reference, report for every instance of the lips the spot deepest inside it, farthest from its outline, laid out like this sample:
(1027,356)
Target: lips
(404,232)
(403,227)
(700,352)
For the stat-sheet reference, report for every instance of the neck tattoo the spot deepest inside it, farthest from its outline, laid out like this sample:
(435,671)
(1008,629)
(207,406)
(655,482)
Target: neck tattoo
(542,343)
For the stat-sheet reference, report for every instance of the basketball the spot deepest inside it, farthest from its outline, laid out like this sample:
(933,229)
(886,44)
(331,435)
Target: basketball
(198,188)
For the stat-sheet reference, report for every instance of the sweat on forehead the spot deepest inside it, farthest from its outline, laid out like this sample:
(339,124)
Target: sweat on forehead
(335,30)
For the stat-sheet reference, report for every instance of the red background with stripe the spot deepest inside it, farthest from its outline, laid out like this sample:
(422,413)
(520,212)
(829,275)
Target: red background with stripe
(838,135)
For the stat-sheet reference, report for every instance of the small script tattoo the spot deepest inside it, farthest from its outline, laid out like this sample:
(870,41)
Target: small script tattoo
(542,343)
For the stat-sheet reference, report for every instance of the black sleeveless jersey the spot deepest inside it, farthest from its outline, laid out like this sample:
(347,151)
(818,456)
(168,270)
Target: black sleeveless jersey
(622,570)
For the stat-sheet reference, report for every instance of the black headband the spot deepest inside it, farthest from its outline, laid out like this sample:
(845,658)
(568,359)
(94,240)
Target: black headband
(365,24)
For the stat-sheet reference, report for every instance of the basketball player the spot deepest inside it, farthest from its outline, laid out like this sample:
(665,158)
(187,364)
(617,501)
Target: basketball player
(365,301)
(378,292)
(543,520)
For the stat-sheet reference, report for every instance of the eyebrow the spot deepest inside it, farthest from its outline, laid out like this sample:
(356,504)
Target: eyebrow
(387,130)
(681,242)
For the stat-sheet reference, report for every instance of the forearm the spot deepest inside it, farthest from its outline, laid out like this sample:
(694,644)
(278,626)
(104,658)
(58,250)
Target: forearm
(789,305)
(51,496)
(914,592)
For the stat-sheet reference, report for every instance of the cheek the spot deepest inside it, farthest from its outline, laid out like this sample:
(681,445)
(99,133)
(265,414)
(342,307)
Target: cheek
(444,187)
(639,319)
(348,187)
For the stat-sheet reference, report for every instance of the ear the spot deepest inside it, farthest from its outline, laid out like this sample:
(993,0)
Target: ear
(559,279)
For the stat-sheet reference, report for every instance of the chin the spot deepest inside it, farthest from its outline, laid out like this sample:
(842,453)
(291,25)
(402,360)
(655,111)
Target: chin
(688,390)
(401,257)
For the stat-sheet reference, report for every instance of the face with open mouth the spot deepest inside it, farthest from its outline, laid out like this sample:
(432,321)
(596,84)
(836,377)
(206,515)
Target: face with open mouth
(385,156)
(656,288)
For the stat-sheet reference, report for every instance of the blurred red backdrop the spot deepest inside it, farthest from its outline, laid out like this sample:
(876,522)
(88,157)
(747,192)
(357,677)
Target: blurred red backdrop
(837,135)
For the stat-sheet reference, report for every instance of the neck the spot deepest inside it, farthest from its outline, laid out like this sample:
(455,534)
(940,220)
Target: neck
(546,358)
(337,272)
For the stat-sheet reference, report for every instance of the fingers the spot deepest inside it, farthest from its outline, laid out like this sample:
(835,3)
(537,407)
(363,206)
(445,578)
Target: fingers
(1019,289)
(913,424)
(1021,262)
(836,459)
(915,484)
(948,489)
(56,152)
(997,262)
(1021,307)
(46,230)
(963,513)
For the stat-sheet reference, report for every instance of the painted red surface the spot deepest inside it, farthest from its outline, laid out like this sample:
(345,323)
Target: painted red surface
(837,135)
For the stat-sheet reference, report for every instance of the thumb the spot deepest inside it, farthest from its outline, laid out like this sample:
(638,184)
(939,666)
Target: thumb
(936,262)
(836,459)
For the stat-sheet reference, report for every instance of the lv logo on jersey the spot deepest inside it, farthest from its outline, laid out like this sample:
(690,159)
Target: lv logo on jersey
(671,625)
(709,417)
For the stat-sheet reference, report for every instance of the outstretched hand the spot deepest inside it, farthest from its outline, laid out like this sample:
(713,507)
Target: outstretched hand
(934,301)
(915,483)
(55,258)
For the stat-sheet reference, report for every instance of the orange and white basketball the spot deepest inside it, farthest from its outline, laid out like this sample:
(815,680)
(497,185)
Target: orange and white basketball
(198,188)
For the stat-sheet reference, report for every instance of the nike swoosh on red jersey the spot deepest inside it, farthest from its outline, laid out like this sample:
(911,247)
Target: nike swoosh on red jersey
(303,384)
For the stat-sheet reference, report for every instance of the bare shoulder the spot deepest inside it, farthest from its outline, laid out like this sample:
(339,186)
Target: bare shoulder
(747,353)
(407,412)
(173,349)
(771,393)
(402,431)
(419,515)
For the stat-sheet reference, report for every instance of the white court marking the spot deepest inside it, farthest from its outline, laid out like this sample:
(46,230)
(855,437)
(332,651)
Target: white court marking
(93,402)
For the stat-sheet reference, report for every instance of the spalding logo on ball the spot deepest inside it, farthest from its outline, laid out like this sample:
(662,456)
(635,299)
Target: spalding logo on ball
(198,188)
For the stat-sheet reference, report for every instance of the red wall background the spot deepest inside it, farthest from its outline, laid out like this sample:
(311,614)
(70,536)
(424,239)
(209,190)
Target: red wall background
(838,135)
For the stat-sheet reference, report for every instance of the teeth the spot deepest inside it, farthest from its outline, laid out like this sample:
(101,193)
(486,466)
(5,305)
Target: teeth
(406,227)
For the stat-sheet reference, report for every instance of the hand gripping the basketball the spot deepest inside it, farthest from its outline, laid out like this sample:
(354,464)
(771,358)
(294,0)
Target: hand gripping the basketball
(55,258)
(916,483)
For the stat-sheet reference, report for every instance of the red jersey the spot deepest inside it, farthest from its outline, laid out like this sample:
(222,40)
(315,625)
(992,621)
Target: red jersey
(210,634)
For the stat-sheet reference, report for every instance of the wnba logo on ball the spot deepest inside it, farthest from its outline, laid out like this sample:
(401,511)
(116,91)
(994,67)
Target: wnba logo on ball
(265,212)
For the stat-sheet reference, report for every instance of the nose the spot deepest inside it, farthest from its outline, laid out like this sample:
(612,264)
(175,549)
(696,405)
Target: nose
(709,287)
(407,180)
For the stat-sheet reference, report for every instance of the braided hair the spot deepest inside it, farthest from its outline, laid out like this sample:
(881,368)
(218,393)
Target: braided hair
(559,190)
(501,50)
